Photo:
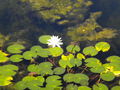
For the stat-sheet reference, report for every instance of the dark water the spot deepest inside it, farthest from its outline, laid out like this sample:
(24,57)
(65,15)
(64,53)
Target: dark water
(110,10)
(17,20)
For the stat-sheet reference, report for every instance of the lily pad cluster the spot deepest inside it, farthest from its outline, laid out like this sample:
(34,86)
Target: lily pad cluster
(51,68)
(19,54)
(6,74)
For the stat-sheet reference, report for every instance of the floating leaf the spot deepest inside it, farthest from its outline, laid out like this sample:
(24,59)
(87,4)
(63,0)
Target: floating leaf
(5,80)
(97,69)
(64,63)
(34,68)
(8,70)
(59,70)
(30,82)
(3,59)
(84,88)
(90,51)
(29,55)
(100,86)
(76,78)
(16,48)
(80,56)
(71,87)
(36,48)
(112,67)
(115,88)
(68,77)
(70,56)
(76,62)
(92,62)
(81,79)
(102,46)
(56,51)
(43,53)
(44,39)
(114,59)
(3,53)
(16,58)
(53,81)
(44,68)
(73,48)
(109,76)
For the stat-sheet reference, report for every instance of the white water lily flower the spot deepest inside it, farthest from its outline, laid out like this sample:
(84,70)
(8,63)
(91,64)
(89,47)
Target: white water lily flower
(55,41)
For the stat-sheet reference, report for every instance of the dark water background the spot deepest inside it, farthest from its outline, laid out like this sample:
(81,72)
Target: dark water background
(19,22)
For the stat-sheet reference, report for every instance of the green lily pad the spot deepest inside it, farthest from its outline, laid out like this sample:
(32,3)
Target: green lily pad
(53,81)
(109,76)
(76,78)
(114,59)
(84,88)
(100,86)
(90,51)
(36,48)
(44,68)
(16,58)
(16,48)
(30,82)
(68,77)
(115,88)
(97,69)
(3,59)
(56,51)
(8,70)
(71,87)
(44,39)
(80,56)
(5,80)
(102,46)
(29,55)
(65,63)
(76,62)
(59,70)
(43,53)
(73,48)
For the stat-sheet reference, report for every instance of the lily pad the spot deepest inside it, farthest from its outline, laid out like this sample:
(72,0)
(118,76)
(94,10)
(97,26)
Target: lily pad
(8,70)
(100,86)
(109,76)
(16,58)
(90,51)
(30,82)
(15,48)
(102,46)
(73,48)
(44,39)
(5,80)
(29,55)
(56,51)
(53,81)
(71,87)
(59,70)
(84,88)
(115,88)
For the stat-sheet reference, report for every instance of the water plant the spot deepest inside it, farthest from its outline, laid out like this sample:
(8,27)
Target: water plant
(54,68)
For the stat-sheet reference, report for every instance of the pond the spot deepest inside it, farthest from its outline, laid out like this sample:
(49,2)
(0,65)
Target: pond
(59,45)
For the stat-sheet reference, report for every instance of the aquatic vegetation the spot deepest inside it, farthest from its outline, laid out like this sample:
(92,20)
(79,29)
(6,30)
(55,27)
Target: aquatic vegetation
(90,30)
(60,11)
(53,68)
(3,39)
